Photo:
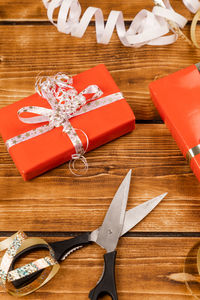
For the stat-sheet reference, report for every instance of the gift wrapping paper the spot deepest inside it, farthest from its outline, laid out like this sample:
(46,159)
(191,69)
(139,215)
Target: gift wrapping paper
(176,97)
(48,150)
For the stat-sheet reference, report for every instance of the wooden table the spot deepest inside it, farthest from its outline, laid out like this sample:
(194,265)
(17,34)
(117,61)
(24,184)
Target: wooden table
(57,205)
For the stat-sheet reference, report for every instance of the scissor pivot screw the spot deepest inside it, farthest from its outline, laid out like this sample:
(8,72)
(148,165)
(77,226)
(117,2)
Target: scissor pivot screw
(110,231)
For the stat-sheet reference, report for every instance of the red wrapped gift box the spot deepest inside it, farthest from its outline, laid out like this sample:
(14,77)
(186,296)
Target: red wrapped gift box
(177,99)
(48,150)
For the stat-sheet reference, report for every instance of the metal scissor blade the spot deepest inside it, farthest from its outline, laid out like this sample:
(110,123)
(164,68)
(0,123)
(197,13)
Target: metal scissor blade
(111,229)
(138,213)
(134,215)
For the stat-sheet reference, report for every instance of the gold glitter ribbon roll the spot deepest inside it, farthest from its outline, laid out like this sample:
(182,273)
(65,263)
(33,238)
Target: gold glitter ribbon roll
(13,246)
(192,271)
(193,29)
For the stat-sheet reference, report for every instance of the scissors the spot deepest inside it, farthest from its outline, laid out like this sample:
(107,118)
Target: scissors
(116,223)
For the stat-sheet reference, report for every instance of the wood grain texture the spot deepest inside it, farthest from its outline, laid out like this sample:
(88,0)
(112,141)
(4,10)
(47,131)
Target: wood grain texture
(145,268)
(34,10)
(79,204)
(57,203)
(28,50)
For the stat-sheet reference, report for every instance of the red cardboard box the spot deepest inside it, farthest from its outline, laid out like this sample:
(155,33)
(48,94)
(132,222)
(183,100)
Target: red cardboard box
(177,98)
(48,150)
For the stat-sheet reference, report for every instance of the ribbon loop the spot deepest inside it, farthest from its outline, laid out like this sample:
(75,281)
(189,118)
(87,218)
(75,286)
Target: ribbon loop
(192,5)
(63,98)
(72,167)
(14,245)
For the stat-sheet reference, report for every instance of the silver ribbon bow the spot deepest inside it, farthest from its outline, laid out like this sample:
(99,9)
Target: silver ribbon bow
(65,103)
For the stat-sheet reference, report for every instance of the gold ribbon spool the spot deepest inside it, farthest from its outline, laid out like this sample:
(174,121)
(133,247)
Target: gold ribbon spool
(192,271)
(14,245)
(193,29)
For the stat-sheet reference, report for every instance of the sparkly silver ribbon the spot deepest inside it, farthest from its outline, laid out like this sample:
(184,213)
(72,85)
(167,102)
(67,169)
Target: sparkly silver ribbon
(65,103)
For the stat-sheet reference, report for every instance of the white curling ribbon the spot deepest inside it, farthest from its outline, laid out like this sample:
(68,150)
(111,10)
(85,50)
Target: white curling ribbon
(146,28)
(164,10)
(192,5)
(65,103)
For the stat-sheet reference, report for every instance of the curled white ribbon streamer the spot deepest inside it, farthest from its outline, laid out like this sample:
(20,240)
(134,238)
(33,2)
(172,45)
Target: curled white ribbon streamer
(146,28)
(192,5)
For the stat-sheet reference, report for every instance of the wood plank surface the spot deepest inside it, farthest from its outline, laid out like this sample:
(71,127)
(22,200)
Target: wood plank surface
(32,10)
(28,50)
(146,268)
(74,204)
(56,205)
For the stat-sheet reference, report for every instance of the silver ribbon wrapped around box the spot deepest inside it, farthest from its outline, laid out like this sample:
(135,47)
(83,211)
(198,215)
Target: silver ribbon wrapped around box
(65,103)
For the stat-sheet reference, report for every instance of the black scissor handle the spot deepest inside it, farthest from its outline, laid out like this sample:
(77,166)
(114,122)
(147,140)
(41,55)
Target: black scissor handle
(106,285)
(60,248)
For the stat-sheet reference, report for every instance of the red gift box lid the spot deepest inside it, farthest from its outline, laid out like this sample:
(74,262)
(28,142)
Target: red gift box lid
(48,150)
(176,97)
